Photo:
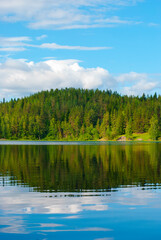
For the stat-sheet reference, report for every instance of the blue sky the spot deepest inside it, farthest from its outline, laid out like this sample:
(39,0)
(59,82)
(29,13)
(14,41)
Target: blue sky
(101,44)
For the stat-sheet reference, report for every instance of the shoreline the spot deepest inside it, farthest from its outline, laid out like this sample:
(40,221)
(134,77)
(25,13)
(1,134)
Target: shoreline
(62,142)
(136,137)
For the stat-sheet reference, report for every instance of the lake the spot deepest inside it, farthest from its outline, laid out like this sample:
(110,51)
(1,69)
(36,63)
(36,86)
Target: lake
(80,190)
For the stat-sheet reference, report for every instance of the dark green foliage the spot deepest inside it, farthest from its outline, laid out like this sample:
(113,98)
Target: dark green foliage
(78,114)
(154,128)
(69,168)
(128,130)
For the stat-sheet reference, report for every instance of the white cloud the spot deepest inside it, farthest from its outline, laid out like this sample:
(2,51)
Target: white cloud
(41,37)
(141,87)
(116,20)
(132,76)
(14,44)
(19,78)
(137,83)
(12,49)
(153,24)
(60,14)
(13,41)
(57,46)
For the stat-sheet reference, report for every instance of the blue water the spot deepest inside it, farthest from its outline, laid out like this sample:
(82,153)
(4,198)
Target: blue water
(131,211)
(125,213)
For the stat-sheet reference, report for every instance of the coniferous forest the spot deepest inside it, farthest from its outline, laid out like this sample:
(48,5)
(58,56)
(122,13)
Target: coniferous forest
(78,114)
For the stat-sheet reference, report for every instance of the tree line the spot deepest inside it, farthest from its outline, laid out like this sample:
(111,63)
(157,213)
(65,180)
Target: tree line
(79,114)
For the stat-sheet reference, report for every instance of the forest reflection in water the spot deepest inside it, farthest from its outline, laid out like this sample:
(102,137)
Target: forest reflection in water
(95,191)
(72,168)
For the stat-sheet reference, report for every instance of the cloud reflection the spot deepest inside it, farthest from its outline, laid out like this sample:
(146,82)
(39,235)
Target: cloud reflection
(72,217)
(50,225)
(94,229)
(19,201)
(13,225)
(104,239)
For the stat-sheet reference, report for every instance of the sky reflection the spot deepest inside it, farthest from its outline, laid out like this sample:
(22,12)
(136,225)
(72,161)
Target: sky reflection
(13,224)
(83,192)
(24,212)
(17,200)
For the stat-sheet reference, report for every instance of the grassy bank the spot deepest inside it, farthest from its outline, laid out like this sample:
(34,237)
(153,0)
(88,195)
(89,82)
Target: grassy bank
(134,137)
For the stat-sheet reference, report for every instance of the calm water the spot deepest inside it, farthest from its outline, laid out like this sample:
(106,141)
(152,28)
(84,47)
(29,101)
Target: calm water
(98,191)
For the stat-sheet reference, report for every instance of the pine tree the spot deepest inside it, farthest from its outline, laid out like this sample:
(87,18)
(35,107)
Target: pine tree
(105,125)
(53,131)
(154,128)
(128,130)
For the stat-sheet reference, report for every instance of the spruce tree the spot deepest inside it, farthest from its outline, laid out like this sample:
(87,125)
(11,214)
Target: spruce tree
(154,128)
(128,130)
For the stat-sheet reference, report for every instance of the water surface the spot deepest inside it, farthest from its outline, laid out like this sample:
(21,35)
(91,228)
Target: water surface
(80,190)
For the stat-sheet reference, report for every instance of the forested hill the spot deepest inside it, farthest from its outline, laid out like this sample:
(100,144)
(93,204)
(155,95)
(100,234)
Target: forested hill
(77,114)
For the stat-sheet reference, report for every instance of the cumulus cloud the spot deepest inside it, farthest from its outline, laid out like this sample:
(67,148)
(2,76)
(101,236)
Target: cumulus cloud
(132,76)
(60,14)
(137,83)
(141,87)
(20,78)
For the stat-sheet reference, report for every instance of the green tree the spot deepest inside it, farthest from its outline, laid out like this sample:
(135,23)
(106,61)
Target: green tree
(105,125)
(53,131)
(69,114)
(128,130)
(154,128)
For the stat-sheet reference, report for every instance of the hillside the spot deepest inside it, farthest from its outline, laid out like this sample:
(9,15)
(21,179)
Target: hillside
(78,114)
